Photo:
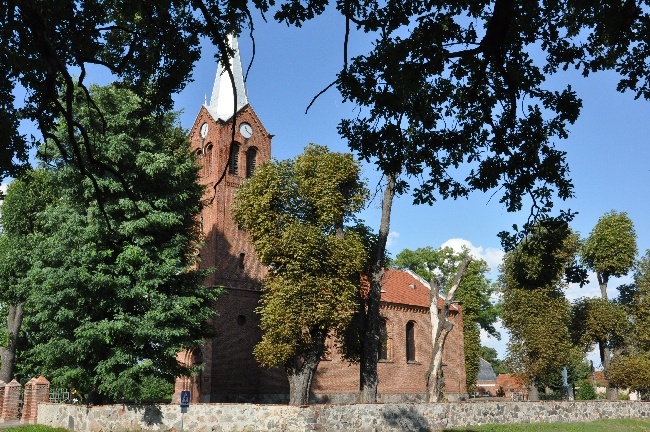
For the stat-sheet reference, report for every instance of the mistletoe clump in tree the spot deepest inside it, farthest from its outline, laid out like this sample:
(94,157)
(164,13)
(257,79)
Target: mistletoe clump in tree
(295,213)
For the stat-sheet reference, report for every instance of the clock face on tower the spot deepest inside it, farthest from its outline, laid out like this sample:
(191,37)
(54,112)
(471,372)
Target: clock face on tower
(246,130)
(204,130)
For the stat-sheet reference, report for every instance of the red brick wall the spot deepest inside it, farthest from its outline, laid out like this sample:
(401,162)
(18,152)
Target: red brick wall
(396,375)
(37,390)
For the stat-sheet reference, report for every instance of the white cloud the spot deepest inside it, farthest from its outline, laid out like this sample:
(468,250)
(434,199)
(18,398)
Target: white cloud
(392,238)
(492,256)
(3,188)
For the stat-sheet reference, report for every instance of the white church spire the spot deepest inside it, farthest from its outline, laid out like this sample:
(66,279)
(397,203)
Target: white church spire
(222,102)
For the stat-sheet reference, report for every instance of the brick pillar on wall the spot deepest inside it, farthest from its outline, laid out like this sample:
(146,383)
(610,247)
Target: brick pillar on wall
(28,400)
(2,394)
(37,390)
(10,401)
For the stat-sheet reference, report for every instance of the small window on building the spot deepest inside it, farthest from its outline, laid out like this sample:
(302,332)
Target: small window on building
(410,341)
(234,159)
(251,161)
(207,158)
(383,340)
(197,355)
(241,320)
(242,257)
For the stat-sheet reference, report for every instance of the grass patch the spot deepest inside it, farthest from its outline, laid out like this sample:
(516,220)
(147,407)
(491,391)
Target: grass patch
(619,425)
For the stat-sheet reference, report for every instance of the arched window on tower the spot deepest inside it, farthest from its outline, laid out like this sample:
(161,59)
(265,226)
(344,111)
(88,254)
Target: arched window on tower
(207,158)
(383,340)
(251,161)
(234,159)
(410,341)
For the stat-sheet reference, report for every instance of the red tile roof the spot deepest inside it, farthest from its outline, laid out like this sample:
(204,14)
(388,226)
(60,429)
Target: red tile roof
(600,378)
(406,287)
(510,383)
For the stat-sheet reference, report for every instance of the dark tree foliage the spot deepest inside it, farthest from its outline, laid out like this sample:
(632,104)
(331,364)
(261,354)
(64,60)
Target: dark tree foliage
(115,295)
(25,199)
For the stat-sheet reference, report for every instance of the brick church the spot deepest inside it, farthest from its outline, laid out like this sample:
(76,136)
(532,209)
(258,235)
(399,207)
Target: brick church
(229,371)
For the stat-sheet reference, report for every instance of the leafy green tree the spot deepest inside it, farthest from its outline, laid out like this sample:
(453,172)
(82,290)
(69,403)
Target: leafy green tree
(610,250)
(26,197)
(629,367)
(115,293)
(474,292)
(535,310)
(601,321)
(639,305)
(435,94)
(296,213)
(632,372)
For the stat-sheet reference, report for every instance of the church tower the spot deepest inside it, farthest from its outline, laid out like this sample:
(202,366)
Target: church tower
(230,142)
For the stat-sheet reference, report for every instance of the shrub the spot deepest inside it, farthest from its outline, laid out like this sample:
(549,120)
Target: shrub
(585,390)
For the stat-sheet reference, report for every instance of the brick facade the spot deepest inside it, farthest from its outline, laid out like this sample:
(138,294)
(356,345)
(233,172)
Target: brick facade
(230,373)
(405,298)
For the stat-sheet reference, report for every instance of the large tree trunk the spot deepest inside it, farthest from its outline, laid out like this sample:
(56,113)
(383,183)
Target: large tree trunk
(606,356)
(368,379)
(434,378)
(8,353)
(300,369)
(440,328)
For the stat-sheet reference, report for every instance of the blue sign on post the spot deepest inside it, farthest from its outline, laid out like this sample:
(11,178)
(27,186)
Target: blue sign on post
(185,398)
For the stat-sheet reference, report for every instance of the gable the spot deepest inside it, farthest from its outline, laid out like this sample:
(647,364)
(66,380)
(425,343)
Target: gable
(406,287)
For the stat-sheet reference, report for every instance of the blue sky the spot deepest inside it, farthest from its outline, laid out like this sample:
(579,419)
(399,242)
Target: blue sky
(608,149)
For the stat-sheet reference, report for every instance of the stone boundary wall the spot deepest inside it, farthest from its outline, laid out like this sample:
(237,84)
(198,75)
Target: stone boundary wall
(357,417)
